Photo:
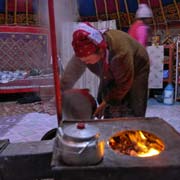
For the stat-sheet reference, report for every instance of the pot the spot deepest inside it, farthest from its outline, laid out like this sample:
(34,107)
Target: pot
(78,104)
(80,145)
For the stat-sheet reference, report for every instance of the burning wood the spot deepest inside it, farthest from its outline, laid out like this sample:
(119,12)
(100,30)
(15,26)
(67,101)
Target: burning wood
(136,143)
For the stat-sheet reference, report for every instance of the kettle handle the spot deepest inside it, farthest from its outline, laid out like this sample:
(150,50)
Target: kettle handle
(60,131)
(71,152)
(87,144)
(81,150)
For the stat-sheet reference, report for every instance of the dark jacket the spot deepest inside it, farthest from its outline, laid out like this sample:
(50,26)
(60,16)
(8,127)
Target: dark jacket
(126,80)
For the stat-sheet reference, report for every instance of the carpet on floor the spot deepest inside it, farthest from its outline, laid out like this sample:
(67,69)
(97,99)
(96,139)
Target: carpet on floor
(14,108)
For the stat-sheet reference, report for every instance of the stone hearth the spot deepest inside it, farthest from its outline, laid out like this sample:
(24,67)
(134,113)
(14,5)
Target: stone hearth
(115,166)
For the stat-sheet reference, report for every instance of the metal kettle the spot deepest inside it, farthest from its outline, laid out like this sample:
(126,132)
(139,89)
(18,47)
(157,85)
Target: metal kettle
(80,145)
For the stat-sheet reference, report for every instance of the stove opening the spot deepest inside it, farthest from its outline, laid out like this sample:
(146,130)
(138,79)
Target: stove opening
(137,143)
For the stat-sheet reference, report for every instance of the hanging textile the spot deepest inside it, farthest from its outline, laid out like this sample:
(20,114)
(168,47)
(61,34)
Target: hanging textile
(156,55)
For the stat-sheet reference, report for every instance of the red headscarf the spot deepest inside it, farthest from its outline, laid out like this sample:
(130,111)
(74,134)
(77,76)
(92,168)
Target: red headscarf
(86,40)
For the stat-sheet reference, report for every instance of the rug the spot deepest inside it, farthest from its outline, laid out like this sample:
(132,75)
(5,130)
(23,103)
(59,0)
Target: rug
(13,108)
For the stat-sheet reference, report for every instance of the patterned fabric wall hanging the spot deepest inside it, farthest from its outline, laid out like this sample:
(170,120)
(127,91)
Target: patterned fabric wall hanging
(24,51)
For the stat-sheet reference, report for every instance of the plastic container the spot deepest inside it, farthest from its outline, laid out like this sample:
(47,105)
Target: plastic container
(165,73)
(168,97)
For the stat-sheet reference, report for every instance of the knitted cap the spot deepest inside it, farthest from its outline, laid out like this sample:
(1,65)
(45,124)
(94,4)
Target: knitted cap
(144,11)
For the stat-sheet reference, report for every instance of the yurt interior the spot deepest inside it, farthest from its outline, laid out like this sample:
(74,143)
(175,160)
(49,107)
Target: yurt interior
(40,130)
(36,46)
(27,82)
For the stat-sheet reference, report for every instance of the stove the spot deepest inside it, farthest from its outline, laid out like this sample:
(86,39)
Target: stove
(116,166)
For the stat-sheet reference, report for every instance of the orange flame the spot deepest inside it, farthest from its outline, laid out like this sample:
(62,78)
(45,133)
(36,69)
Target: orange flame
(136,143)
(142,146)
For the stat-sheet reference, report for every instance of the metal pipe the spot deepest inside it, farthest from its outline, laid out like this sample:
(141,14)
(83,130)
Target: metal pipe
(55,61)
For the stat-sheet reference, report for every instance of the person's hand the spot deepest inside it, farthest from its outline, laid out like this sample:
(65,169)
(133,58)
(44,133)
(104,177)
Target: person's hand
(100,110)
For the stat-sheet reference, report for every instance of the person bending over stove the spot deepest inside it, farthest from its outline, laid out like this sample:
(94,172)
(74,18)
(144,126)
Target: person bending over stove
(122,65)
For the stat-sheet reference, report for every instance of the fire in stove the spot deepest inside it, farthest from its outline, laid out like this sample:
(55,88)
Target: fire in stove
(137,143)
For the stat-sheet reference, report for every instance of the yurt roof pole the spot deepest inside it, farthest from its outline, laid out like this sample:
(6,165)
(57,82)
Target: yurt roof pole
(154,23)
(55,61)
(96,9)
(118,13)
(106,10)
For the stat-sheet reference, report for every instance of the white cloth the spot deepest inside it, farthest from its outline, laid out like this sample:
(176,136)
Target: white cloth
(156,56)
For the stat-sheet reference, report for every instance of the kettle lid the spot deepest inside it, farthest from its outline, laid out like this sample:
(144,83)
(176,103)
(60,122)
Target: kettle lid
(80,131)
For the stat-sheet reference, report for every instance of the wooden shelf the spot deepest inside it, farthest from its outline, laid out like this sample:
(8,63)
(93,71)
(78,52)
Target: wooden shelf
(168,61)
(177,98)
(165,80)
